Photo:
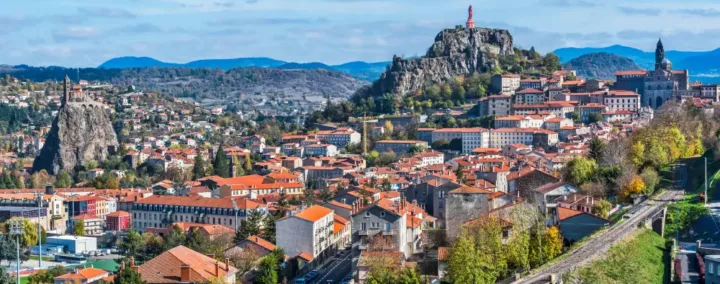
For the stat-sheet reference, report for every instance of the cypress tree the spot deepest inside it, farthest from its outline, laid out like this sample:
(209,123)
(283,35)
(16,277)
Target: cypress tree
(222,164)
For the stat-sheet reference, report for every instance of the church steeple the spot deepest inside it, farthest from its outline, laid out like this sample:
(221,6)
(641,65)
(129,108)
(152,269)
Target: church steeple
(659,54)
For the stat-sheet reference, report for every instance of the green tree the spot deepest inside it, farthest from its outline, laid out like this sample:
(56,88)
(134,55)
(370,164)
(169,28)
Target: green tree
(267,271)
(8,180)
(30,233)
(268,232)
(651,179)
(198,166)
(248,164)
(111,183)
(602,208)
(222,164)
(79,228)
(154,246)
(128,276)
(580,170)
(551,62)
(64,180)
(198,241)
(47,276)
(5,277)
(595,117)
(251,226)
(597,147)
(176,237)
(464,262)
(132,245)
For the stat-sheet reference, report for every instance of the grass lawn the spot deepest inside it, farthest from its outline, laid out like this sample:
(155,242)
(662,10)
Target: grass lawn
(24,280)
(639,258)
(48,258)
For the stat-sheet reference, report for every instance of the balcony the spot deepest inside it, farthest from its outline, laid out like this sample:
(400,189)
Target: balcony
(389,233)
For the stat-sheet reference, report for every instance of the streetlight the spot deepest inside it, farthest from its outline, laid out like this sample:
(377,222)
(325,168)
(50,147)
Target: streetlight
(39,196)
(17,229)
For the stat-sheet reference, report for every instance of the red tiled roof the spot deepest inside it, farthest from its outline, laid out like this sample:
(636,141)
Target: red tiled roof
(165,268)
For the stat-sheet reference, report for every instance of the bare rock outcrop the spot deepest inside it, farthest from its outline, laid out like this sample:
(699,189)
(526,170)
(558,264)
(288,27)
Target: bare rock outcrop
(81,132)
(458,51)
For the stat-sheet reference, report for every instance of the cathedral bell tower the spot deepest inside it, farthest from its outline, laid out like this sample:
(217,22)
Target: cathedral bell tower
(659,55)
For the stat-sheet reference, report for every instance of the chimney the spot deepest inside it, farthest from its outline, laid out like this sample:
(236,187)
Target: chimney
(211,255)
(574,197)
(217,269)
(227,264)
(49,189)
(587,199)
(132,261)
(184,273)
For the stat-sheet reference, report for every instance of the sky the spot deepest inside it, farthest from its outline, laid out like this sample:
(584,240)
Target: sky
(85,33)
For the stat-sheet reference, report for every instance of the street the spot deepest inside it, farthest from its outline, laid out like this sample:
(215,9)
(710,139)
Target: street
(600,244)
(336,269)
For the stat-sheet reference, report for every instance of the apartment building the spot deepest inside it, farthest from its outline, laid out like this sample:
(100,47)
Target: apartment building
(505,83)
(339,137)
(530,96)
(471,137)
(311,232)
(622,100)
(94,225)
(160,211)
(398,146)
(118,221)
(495,105)
(589,109)
(561,109)
(318,150)
(321,173)
(52,213)
(502,137)
(519,121)
(537,84)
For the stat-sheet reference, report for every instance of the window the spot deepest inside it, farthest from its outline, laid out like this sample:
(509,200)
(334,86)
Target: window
(367,214)
(382,214)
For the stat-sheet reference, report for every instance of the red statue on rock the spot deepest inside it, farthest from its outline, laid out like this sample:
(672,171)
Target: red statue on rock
(470,23)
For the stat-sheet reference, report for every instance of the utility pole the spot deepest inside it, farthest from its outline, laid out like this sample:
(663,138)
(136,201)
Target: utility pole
(706,182)
(39,200)
(364,134)
(17,229)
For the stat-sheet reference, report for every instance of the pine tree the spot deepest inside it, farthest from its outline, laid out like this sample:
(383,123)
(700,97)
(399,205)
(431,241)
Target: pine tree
(268,232)
(79,229)
(248,164)
(198,167)
(222,164)
(176,237)
(268,271)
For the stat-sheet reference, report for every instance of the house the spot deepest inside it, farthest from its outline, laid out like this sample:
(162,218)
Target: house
(576,225)
(183,265)
(118,221)
(82,276)
(257,244)
(712,269)
(443,255)
(399,146)
(547,195)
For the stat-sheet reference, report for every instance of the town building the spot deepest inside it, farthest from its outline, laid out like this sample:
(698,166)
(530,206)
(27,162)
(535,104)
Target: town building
(93,225)
(529,96)
(471,137)
(183,265)
(160,211)
(622,100)
(88,275)
(311,232)
(497,105)
(505,84)
(318,150)
(118,221)
(399,146)
(502,137)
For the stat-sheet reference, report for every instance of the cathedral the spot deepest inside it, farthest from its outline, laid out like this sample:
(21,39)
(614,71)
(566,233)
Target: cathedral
(655,86)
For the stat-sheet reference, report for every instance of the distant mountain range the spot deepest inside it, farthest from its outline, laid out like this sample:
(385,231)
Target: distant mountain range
(358,69)
(600,65)
(702,64)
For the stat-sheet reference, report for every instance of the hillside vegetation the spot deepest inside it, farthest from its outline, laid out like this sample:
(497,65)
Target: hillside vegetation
(639,258)
(600,65)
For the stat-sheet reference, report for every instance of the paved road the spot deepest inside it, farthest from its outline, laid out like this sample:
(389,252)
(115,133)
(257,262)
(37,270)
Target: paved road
(707,227)
(336,269)
(599,245)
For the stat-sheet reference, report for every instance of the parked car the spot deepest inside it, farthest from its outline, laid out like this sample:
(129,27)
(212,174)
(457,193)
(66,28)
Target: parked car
(311,275)
(300,280)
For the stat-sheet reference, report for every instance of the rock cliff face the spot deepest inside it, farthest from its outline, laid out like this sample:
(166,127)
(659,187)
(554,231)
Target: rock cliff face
(459,51)
(81,132)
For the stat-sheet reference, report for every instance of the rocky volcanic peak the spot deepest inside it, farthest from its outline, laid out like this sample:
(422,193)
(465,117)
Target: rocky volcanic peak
(458,51)
(81,132)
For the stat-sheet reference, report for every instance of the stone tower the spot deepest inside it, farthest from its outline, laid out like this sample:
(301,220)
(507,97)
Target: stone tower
(659,55)
(470,23)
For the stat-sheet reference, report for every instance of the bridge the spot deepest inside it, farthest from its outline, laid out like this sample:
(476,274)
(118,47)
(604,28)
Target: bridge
(650,213)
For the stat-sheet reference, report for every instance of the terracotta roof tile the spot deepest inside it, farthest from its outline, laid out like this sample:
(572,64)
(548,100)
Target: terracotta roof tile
(314,213)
